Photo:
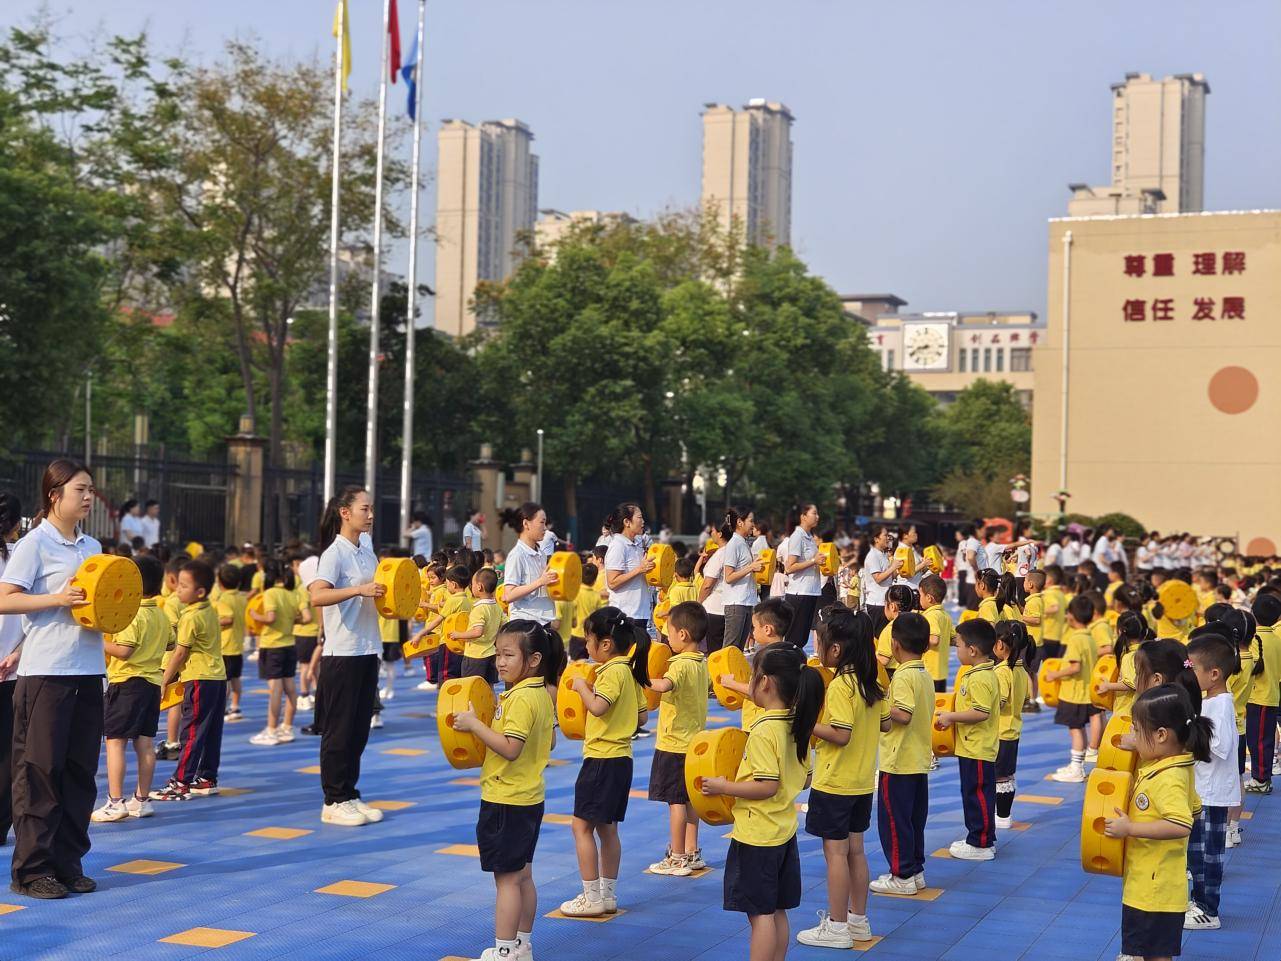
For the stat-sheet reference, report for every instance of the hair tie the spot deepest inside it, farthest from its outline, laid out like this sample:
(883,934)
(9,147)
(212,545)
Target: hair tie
(1190,721)
(1187,662)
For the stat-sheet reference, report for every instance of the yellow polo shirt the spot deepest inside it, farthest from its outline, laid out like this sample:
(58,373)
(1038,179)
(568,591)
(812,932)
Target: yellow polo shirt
(682,711)
(487,615)
(199,631)
(1079,647)
(1242,683)
(770,756)
(1123,702)
(680,592)
(1266,689)
(280,632)
(989,612)
(905,748)
(1055,622)
(232,604)
(304,604)
(1034,606)
(936,661)
(586,604)
(979,690)
(611,734)
(524,712)
(1103,636)
(150,635)
(849,769)
(883,647)
(1155,876)
(1014,684)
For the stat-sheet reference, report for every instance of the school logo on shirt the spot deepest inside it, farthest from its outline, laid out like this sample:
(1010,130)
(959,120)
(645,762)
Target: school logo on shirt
(1141,801)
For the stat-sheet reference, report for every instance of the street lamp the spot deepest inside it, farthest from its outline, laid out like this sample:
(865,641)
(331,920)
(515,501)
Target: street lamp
(539,495)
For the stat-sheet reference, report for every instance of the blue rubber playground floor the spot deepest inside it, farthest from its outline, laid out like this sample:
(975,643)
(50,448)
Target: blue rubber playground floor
(253,874)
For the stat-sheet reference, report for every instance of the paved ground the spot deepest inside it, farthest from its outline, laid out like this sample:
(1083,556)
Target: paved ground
(260,871)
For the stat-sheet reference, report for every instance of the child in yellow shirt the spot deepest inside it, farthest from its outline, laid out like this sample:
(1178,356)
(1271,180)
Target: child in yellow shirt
(770,621)
(1013,647)
(231,606)
(445,662)
(1074,710)
(483,623)
(589,601)
(682,588)
(933,591)
(898,599)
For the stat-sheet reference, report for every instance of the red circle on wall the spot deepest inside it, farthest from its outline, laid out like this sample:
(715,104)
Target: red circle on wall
(1260,547)
(1233,390)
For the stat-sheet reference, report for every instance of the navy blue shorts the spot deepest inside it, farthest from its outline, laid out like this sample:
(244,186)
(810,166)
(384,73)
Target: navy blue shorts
(507,835)
(1151,934)
(762,880)
(131,709)
(1074,717)
(234,665)
(667,778)
(834,817)
(1007,759)
(277,663)
(600,794)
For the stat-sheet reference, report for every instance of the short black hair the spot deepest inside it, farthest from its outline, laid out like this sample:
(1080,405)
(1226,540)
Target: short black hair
(458,574)
(934,586)
(774,612)
(153,574)
(912,631)
(486,579)
(685,566)
(201,573)
(690,616)
(229,577)
(1216,650)
(590,573)
(1081,608)
(977,632)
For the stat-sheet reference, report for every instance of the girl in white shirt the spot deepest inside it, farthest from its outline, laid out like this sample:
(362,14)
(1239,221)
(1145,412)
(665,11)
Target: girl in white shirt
(626,563)
(739,577)
(525,574)
(878,574)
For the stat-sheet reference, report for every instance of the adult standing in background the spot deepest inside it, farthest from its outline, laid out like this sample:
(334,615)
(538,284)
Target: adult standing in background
(626,563)
(759,544)
(473,532)
(131,523)
(967,570)
(739,576)
(525,574)
(151,523)
(804,585)
(419,535)
(712,594)
(879,571)
(10,651)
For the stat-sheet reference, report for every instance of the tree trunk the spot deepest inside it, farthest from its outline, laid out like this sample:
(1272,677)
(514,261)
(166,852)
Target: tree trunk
(276,382)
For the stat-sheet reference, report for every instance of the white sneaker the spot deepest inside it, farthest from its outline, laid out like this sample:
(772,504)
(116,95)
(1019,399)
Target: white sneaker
(1071,774)
(524,951)
(111,811)
(1276,764)
(673,865)
(1127,957)
(1234,837)
(1198,920)
(372,814)
(387,694)
(425,686)
(825,935)
(1004,824)
(306,702)
(610,904)
(696,862)
(506,954)
(285,733)
(934,764)
(1091,754)
(139,807)
(965,851)
(859,930)
(582,907)
(889,884)
(375,722)
(919,881)
(345,813)
(265,738)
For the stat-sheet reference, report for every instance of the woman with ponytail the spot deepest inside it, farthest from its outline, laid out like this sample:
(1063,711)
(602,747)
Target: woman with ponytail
(57,718)
(763,868)
(626,563)
(804,585)
(10,653)
(738,576)
(344,592)
(525,574)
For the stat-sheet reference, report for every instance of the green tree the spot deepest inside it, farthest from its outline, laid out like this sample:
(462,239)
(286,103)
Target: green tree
(987,428)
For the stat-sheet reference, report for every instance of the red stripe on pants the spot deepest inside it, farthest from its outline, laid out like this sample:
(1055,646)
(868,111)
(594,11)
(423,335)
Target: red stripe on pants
(191,734)
(895,865)
(983,836)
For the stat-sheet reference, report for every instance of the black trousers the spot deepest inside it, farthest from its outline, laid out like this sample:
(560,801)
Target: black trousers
(348,688)
(57,734)
(203,705)
(803,608)
(6,758)
(902,803)
(978,799)
(715,639)
(738,625)
(877,613)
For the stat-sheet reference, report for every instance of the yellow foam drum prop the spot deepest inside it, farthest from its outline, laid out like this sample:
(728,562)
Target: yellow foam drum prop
(172,696)
(569,570)
(933,559)
(662,611)
(1178,599)
(664,559)
(768,559)
(826,673)
(829,559)
(715,753)
(659,655)
(113,593)
(457,624)
(500,597)
(570,710)
(255,606)
(1105,671)
(1113,757)
(411,648)
(905,554)
(1049,689)
(943,740)
(404,591)
(1105,791)
(463,750)
(728,660)
(967,615)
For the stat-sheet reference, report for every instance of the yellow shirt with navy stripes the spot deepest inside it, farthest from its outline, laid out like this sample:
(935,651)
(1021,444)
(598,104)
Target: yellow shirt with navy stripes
(280,632)
(979,690)
(232,604)
(1242,682)
(1034,606)
(1014,684)
(610,735)
(905,748)
(304,604)
(1078,647)
(150,635)
(680,592)
(488,616)
(936,661)
(682,711)
(200,633)
(1266,689)
(1154,875)
(849,769)
(524,712)
(770,755)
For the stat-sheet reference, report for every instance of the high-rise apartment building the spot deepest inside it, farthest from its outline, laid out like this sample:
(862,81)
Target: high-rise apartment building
(486,194)
(1158,149)
(747,168)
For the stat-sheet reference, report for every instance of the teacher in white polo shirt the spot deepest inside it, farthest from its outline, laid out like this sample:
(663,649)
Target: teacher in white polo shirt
(525,574)
(626,563)
(738,577)
(804,583)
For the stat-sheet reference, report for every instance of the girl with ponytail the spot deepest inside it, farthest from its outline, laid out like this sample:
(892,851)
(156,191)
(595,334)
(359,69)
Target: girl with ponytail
(763,868)
(615,709)
(1013,650)
(1131,630)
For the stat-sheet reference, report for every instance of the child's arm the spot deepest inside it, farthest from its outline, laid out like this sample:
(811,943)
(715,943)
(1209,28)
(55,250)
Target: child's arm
(899,716)
(176,662)
(934,642)
(226,621)
(262,617)
(596,704)
(1051,608)
(1032,620)
(973,716)
(661,685)
(1114,686)
(1122,827)
(430,627)
(1074,667)
(119,651)
(886,724)
(505,746)
(747,790)
(840,736)
(731,683)
(303,616)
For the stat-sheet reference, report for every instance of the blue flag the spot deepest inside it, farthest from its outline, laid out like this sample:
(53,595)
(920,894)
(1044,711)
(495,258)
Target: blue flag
(410,72)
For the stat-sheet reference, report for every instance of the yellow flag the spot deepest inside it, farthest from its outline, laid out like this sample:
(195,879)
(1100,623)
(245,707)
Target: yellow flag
(340,29)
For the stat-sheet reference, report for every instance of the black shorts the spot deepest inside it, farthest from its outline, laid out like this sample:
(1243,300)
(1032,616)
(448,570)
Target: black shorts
(392,652)
(667,778)
(234,665)
(275,663)
(1151,934)
(1007,758)
(600,793)
(1072,716)
(834,817)
(507,835)
(1051,649)
(1240,754)
(940,687)
(762,880)
(131,709)
(486,667)
(305,646)
(1095,710)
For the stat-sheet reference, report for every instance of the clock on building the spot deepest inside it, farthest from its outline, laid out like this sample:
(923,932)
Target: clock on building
(925,347)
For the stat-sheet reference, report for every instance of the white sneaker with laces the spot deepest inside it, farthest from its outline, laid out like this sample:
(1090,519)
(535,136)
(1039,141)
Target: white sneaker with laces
(1071,774)
(672,865)
(825,935)
(965,851)
(524,951)
(859,930)
(934,764)
(696,862)
(889,884)
(285,733)
(1004,824)
(265,738)
(344,814)
(372,814)
(1276,764)
(582,907)
(1234,837)
(610,904)
(425,686)
(375,722)
(139,807)
(306,702)
(496,954)
(1198,920)
(111,811)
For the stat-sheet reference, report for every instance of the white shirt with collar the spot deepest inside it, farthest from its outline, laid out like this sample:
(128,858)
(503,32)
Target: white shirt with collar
(150,530)
(803,546)
(351,626)
(473,536)
(10,625)
(742,592)
(132,526)
(623,555)
(525,565)
(876,562)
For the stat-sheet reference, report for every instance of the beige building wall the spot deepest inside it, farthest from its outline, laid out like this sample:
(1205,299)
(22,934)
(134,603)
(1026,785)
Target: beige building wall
(747,169)
(1170,418)
(552,225)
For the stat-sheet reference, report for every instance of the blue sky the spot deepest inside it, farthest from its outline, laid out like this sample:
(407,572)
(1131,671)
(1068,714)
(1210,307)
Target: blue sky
(932,140)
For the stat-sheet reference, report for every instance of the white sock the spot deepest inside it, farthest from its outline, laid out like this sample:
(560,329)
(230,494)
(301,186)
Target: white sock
(592,890)
(837,926)
(608,886)
(1234,825)
(524,939)
(856,918)
(510,947)
(1078,758)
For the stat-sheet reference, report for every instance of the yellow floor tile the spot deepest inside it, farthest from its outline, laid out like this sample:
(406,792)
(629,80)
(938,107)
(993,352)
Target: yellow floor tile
(10,908)
(419,715)
(1019,825)
(925,894)
(460,850)
(941,853)
(392,805)
(278,834)
(1038,799)
(558,819)
(313,769)
(601,920)
(146,867)
(869,944)
(466,781)
(643,795)
(260,690)
(556,762)
(355,889)
(234,791)
(207,937)
(405,751)
(1246,815)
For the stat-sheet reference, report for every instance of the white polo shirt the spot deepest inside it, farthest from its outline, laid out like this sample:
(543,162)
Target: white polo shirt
(43,562)
(876,562)
(131,526)
(624,555)
(472,536)
(10,625)
(351,626)
(712,570)
(524,566)
(150,530)
(742,593)
(803,547)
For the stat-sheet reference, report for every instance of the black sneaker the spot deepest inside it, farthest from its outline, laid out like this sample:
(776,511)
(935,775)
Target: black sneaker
(80,885)
(46,889)
(311,729)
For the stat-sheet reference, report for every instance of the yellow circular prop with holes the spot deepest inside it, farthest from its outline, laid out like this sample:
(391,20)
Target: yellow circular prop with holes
(659,656)
(943,740)
(829,559)
(1105,791)
(457,624)
(172,696)
(728,660)
(1105,670)
(826,673)
(113,593)
(662,611)
(664,559)
(1178,599)
(255,606)
(404,590)
(499,596)
(1113,757)
(905,554)
(1049,689)
(933,559)
(768,559)
(463,750)
(715,753)
(569,570)
(570,711)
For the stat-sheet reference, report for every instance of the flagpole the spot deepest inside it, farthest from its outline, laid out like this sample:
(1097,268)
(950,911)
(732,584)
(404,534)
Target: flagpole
(331,373)
(371,408)
(407,440)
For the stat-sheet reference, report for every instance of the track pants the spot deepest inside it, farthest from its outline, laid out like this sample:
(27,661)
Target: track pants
(902,804)
(978,798)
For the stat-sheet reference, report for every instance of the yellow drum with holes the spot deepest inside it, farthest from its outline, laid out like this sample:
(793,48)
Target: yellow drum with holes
(943,740)
(664,559)
(570,711)
(1049,689)
(829,559)
(463,750)
(569,569)
(1105,671)
(933,559)
(768,559)
(457,624)
(113,593)
(1113,757)
(905,554)
(1105,791)
(715,753)
(728,660)
(404,590)
(659,655)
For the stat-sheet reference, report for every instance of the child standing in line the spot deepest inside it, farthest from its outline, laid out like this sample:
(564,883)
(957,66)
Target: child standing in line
(306,633)
(1132,629)
(1034,618)
(615,709)
(1101,637)
(763,867)
(682,713)
(1169,735)
(903,794)
(770,621)
(132,708)
(588,602)
(937,658)
(840,800)
(1055,603)
(482,628)
(172,607)
(455,601)
(977,717)
(1241,627)
(683,588)
(1073,711)
(277,653)
(519,742)
(996,596)
(392,632)
(898,599)
(231,618)
(1214,659)
(1013,645)
(434,593)
(1265,695)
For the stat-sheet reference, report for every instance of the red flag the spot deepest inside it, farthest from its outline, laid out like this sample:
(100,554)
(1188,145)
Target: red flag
(393,28)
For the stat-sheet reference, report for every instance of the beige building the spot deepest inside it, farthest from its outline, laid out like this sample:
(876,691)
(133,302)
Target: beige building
(747,169)
(486,196)
(1158,149)
(552,225)
(1157,381)
(947,351)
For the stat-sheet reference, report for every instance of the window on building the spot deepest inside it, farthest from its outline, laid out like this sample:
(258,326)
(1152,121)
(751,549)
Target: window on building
(974,361)
(890,363)
(962,357)
(1000,359)
(987,359)
(1020,358)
